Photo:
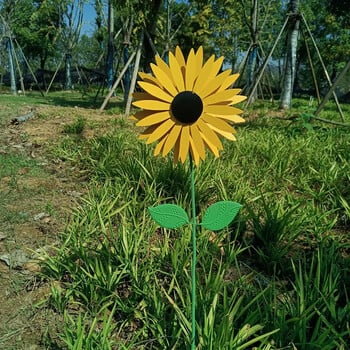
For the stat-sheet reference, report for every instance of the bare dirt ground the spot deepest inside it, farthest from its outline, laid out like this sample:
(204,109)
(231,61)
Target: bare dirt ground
(35,203)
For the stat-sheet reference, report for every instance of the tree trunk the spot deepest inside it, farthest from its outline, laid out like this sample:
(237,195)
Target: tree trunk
(291,56)
(126,57)
(252,66)
(71,22)
(150,29)
(253,52)
(127,78)
(134,75)
(110,52)
(12,67)
(68,85)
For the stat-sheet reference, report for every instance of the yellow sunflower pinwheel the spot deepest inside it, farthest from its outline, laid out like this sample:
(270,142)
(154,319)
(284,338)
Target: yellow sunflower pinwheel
(187,105)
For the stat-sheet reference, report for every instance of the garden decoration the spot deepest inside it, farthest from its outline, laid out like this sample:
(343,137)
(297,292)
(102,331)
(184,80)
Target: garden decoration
(187,106)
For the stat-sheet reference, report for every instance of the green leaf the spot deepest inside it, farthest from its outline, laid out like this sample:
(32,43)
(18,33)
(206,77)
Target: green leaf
(220,214)
(169,215)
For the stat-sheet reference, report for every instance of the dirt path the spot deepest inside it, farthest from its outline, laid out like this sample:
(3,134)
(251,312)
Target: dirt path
(37,193)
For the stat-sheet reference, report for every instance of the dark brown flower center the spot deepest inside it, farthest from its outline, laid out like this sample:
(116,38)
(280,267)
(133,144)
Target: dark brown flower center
(186,107)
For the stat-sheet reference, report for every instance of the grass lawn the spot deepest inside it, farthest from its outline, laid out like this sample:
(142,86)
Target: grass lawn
(110,278)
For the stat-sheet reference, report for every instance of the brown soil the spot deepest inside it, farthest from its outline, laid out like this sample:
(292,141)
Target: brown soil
(37,205)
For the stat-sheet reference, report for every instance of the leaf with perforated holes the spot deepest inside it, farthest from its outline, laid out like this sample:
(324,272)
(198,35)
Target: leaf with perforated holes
(169,215)
(220,214)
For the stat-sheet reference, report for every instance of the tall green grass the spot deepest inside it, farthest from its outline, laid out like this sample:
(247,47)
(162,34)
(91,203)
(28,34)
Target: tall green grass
(277,278)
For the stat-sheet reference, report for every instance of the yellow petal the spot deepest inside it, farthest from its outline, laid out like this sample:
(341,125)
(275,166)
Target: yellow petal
(184,143)
(217,123)
(210,145)
(177,150)
(213,84)
(217,97)
(160,145)
(232,118)
(176,73)
(204,74)
(152,105)
(149,78)
(209,134)
(228,135)
(164,79)
(238,99)
(154,118)
(160,131)
(164,67)
(198,141)
(191,70)
(220,110)
(204,80)
(194,152)
(199,60)
(180,57)
(156,91)
(228,81)
(171,140)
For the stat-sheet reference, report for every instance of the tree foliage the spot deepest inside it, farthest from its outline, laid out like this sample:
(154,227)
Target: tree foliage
(34,25)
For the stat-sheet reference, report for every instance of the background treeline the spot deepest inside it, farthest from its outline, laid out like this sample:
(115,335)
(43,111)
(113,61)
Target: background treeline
(47,35)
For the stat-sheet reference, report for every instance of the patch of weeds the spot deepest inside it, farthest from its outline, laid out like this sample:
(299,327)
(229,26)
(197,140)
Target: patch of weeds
(120,122)
(24,137)
(13,216)
(10,164)
(77,127)
(311,311)
(302,123)
(118,108)
(49,208)
(69,149)
(59,298)
(275,229)
(82,333)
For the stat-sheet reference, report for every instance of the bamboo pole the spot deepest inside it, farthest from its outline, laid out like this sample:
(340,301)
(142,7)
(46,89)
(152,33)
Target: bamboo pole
(324,67)
(12,68)
(111,91)
(311,67)
(30,69)
(53,78)
(134,76)
(269,87)
(261,72)
(18,68)
(331,90)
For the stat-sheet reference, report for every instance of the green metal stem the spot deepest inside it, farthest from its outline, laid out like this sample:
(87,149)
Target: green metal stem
(194,257)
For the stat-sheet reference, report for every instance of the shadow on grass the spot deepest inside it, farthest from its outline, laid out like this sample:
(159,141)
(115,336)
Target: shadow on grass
(91,101)
(66,99)
(74,99)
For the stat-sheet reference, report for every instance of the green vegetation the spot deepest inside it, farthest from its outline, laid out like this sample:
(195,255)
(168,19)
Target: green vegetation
(277,278)
(11,164)
(77,127)
(13,105)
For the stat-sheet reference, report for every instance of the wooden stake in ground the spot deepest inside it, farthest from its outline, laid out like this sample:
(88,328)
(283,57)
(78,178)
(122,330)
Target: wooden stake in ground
(111,91)
(333,87)
(134,76)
